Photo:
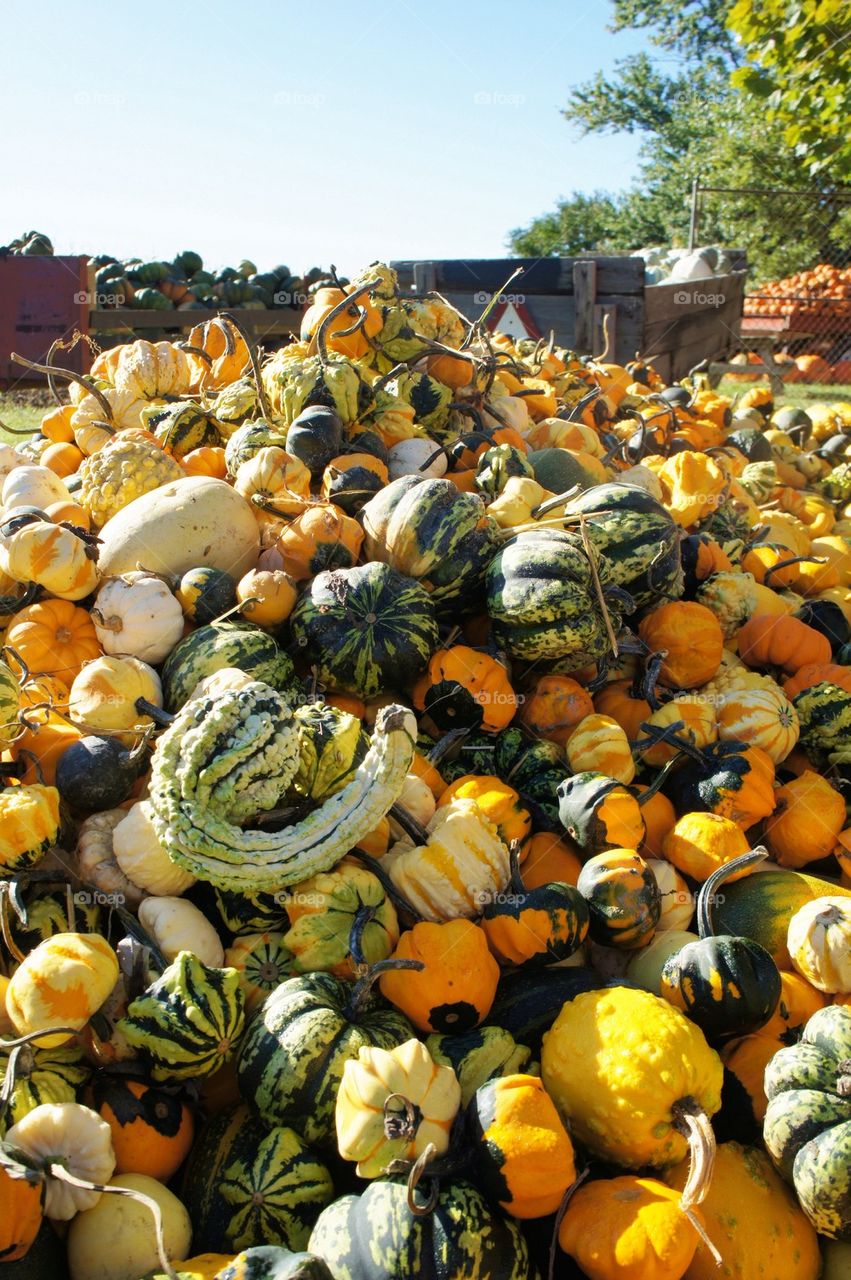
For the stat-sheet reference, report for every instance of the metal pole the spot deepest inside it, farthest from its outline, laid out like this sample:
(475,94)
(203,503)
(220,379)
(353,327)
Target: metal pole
(692,231)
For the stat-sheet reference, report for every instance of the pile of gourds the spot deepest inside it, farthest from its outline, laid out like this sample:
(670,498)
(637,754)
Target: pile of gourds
(423,818)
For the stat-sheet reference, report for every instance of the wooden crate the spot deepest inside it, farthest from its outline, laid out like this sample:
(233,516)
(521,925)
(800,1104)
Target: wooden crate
(41,300)
(128,323)
(573,296)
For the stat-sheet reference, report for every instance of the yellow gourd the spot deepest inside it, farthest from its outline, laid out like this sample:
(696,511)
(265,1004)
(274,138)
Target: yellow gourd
(600,745)
(61,983)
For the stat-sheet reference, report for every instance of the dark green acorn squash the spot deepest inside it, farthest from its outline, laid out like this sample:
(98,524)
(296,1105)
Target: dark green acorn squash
(751,443)
(428,529)
(365,629)
(728,985)
(249,1184)
(375,1236)
(623,898)
(479,1055)
(97,773)
(295,1048)
(315,437)
(527,1004)
(206,593)
(527,928)
(598,813)
(826,617)
(542,601)
(807,1126)
(224,644)
(532,766)
(638,538)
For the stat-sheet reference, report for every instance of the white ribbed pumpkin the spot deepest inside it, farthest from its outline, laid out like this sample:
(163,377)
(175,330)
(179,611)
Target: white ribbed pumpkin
(136,614)
(819,943)
(74,1136)
(417,456)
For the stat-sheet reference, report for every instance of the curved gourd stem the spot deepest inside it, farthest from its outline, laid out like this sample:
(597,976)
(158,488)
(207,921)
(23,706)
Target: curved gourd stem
(708,889)
(461,406)
(515,875)
(784,564)
(49,369)
(37,1035)
(409,824)
(400,902)
(444,745)
(556,501)
(35,762)
(492,301)
(692,1122)
(559,1218)
(414,1178)
(265,407)
(54,346)
(661,777)
(576,411)
(196,351)
(5,932)
(61,1174)
(160,717)
(647,686)
(363,987)
(319,343)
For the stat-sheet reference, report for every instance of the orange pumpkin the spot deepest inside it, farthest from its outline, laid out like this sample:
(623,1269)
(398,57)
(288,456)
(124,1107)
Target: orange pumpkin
(322,537)
(555,707)
(63,458)
(56,424)
(266,596)
(21,1213)
(207,460)
(769,641)
(54,637)
(690,635)
(550,859)
(152,1129)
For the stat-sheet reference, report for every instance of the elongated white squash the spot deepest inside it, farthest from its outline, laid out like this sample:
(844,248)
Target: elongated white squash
(189,522)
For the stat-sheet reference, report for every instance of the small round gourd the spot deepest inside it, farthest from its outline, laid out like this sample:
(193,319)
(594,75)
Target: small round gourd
(628,1228)
(623,897)
(104,695)
(456,988)
(598,744)
(392,1103)
(74,1136)
(21,1215)
(728,985)
(819,943)
(136,615)
(61,983)
(522,1154)
(128,1227)
(151,1129)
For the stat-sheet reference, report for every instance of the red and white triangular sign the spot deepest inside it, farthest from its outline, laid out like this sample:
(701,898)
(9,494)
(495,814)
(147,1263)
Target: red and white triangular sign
(512,318)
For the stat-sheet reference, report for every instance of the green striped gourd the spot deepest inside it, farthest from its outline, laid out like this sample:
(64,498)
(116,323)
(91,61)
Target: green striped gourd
(375,1236)
(10,700)
(224,644)
(807,1126)
(44,1075)
(189,1020)
(331,746)
(638,538)
(428,529)
(181,427)
(479,1055)
(366,629)
(214,848)
(824,711)
(247,1184)
(542,600)
(292,1057)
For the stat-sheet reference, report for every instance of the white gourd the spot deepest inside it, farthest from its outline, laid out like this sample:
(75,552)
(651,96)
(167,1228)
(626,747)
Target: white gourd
(178,926)
(136,614)
(143,859)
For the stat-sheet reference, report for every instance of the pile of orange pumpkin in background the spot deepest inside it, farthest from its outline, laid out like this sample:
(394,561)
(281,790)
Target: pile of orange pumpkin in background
(734,635)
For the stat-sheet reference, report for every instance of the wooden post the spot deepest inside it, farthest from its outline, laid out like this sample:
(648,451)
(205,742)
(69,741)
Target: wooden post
(584,296)
(695,202)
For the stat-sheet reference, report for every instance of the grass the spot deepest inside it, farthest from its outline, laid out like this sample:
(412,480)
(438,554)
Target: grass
(21,411)
(796,394)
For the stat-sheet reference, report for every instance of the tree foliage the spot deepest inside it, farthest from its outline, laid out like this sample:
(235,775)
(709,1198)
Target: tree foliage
(798,70)
(692,123)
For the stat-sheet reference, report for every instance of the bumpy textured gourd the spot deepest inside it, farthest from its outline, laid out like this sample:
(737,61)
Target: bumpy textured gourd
(193,782)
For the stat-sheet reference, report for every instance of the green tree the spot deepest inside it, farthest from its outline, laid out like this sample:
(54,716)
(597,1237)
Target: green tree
(798,70)
(691,122)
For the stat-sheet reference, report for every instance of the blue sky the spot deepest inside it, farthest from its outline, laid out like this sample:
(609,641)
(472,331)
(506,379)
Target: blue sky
(302,132)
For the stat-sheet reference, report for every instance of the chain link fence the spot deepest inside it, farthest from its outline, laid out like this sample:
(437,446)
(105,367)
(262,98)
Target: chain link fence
(798,297)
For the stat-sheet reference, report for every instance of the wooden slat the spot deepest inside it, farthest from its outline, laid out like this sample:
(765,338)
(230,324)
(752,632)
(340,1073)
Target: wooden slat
(281,320)
(540,275)
(584,297)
